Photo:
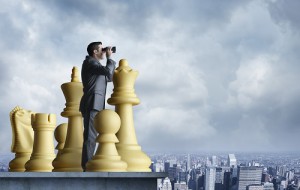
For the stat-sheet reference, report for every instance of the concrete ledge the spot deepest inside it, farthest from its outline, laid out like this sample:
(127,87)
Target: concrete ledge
(80,180)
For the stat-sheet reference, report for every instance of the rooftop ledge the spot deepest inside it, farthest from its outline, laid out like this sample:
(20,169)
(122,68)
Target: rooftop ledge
(80,180)
(83,174)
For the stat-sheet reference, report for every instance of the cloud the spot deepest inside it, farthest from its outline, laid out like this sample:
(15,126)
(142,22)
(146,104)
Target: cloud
(212,75)
(285,13)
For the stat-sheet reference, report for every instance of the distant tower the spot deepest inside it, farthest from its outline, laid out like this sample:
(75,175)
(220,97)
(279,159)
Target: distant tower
(180,186)
(188,163)
(219,179)
(167,184)
(166,166)
(208,162)
(255,187)
(210,178)
(214,161)
(268,186)
(227,180)
(249,176)
(182,176)
(232,160)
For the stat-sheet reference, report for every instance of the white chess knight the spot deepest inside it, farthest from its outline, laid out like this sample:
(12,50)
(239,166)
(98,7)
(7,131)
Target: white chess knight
(22,138)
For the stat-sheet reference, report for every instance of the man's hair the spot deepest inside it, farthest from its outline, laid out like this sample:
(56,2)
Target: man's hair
(92,46)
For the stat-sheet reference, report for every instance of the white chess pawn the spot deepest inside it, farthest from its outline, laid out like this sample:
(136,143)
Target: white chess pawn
(60,135)
(107,123)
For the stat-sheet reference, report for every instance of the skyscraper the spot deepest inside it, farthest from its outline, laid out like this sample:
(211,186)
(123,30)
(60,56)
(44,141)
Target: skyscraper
(167,184)
(200,182)
(180,186)
(268,186)
(219,179)
(232,160)
(166,166)
(214,161)
(192,182)
(249,176)
(188,163)
(210,178)
(182,176)
(227,181)
(255,187)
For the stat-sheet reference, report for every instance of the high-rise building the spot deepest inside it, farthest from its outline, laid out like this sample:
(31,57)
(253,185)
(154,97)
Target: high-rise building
(180,186)
(227,180)
(182,176)
(192,182)
(208,162)
(172,173)
(166,184)
(157,167)
(152,166)
(200,182)
(268,186)
(219,182)
(249,176)
(265,177)
(166,166)
(272,171)
(173,162)
(281,170)
(188,163)
(210,178)
(214,161)
(255,187)
(232,162)
(219,179)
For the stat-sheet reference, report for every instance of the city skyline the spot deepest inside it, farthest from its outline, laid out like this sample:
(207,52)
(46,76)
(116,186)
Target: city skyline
(213,75)
(229,172)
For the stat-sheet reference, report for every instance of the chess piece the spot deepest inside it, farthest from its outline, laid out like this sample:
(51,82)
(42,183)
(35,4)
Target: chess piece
(124,98)
(43,147)
(22,138)
(107,159)
(70,158)
(60,134)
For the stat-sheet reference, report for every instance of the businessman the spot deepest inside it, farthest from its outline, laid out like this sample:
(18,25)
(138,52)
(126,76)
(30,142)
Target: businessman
(94,79)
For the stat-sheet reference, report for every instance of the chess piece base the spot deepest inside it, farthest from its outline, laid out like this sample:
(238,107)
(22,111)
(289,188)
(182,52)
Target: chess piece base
(67,162)
(109,164)
(39,164)
(136,159)
(18,163)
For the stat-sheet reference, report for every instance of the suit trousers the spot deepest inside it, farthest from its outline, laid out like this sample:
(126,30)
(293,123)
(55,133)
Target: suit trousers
(89,137)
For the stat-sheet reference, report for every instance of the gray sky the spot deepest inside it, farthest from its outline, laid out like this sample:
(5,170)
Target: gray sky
(213,75)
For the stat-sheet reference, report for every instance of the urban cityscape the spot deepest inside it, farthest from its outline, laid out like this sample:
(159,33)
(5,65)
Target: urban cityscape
(220,170)
(228,171)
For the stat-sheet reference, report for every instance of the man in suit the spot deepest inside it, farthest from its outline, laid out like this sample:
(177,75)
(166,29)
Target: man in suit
(94,79)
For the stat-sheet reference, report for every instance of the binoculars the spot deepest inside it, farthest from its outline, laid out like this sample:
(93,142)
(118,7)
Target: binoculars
(113,49)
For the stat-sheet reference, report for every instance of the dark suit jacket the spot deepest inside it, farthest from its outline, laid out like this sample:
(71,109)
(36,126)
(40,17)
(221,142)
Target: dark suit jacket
(94,79)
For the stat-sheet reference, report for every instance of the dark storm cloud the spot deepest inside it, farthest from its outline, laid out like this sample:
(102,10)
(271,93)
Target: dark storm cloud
(213,75)
(286,12)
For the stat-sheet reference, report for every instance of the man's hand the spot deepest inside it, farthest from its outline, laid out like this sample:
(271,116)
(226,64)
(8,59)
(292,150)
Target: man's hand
(108,52)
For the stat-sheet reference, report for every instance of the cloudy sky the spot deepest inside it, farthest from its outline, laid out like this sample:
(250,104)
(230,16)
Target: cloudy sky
(213,75)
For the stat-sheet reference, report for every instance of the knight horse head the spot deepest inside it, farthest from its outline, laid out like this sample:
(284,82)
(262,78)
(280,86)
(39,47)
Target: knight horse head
(22,132)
